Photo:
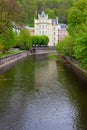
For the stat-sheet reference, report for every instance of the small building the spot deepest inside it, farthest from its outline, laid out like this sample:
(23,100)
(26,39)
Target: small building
(45,26)
(62,31)
(31,30)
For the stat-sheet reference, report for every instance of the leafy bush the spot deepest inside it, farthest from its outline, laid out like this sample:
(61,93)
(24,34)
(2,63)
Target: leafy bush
(80,49)
(46,40)
(75,17)
(8,40)
(76,44)
(65,46)
(24,40)
(40,40)
(1,47)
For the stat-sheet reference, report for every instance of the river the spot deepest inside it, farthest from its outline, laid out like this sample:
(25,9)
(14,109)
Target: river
(38,93)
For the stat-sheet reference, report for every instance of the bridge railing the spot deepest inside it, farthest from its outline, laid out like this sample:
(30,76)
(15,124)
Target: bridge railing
(44,47)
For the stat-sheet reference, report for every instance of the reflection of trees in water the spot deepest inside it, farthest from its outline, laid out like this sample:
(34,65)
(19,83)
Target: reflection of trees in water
(10,65)
(77,93)
(18,86)
(15,85)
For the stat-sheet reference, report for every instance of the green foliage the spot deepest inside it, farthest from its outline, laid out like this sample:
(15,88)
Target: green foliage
(80,49)
(40,40)
(54,8)
(36,40)
(29,11)
(10,11)
(75,17)
(78,28)
(81,5)
(10,53)
(76,44)
(24,40)
(51,13)
(26,10)
(1,47)
(54,56)
(65,46)
(8,40)
(44,40)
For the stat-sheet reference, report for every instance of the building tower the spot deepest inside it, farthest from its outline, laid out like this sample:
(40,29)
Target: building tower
(45,26)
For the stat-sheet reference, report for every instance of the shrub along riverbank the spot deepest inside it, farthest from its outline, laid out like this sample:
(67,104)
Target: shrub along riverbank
(12,30)
(24,41)
(75,45)
(10,53)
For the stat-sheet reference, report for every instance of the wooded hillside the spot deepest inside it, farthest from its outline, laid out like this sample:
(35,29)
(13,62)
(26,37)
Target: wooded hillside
(54,8)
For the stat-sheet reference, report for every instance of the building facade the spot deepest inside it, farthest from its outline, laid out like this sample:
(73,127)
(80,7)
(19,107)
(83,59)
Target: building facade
(62,31)
(45,26)
(30,29)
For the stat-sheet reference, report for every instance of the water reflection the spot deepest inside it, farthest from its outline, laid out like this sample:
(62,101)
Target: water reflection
(40,94)
(77,94)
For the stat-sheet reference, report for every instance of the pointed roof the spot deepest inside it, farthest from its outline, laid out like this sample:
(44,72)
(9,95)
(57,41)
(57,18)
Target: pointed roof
(55,21)
(43,14)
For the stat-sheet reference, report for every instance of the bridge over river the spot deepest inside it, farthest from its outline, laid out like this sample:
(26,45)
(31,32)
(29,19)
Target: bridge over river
(38,93)
(44,49)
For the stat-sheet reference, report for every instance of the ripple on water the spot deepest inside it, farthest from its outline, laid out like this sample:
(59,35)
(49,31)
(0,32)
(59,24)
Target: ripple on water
(39,94)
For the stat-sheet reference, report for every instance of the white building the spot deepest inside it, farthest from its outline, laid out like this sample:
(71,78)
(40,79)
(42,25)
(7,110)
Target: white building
(46,26)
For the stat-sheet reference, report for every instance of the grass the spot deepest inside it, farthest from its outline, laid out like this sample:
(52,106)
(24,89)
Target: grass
(55,57)
(10,53)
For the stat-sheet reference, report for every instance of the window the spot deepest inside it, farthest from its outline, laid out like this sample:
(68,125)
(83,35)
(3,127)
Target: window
(46,32)
(42,26)
(42,32)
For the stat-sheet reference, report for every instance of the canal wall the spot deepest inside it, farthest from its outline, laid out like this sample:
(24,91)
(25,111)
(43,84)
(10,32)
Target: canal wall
(73,67)
(7,60)
(12,58)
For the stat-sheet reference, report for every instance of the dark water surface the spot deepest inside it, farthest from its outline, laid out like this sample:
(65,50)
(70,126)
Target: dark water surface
(38,93)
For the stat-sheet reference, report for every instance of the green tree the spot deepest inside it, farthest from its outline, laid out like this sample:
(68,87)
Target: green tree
(45,40)
(59,8)
(65,46)
(29,11)
(75,17)
(8,40)
(24,39)
(36,40)
(77,27)
(51,13)
(10,11)
(80,49)
(40,40)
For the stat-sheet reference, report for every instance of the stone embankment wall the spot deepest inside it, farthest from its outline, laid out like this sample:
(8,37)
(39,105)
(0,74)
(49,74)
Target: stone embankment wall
(12,58)
(73,67)
(7,60)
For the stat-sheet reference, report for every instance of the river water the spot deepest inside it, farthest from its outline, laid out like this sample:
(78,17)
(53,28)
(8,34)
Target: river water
(38,93)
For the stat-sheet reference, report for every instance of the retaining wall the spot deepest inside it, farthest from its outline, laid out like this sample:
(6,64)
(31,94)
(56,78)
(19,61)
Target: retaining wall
(12,58)
(73,67)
